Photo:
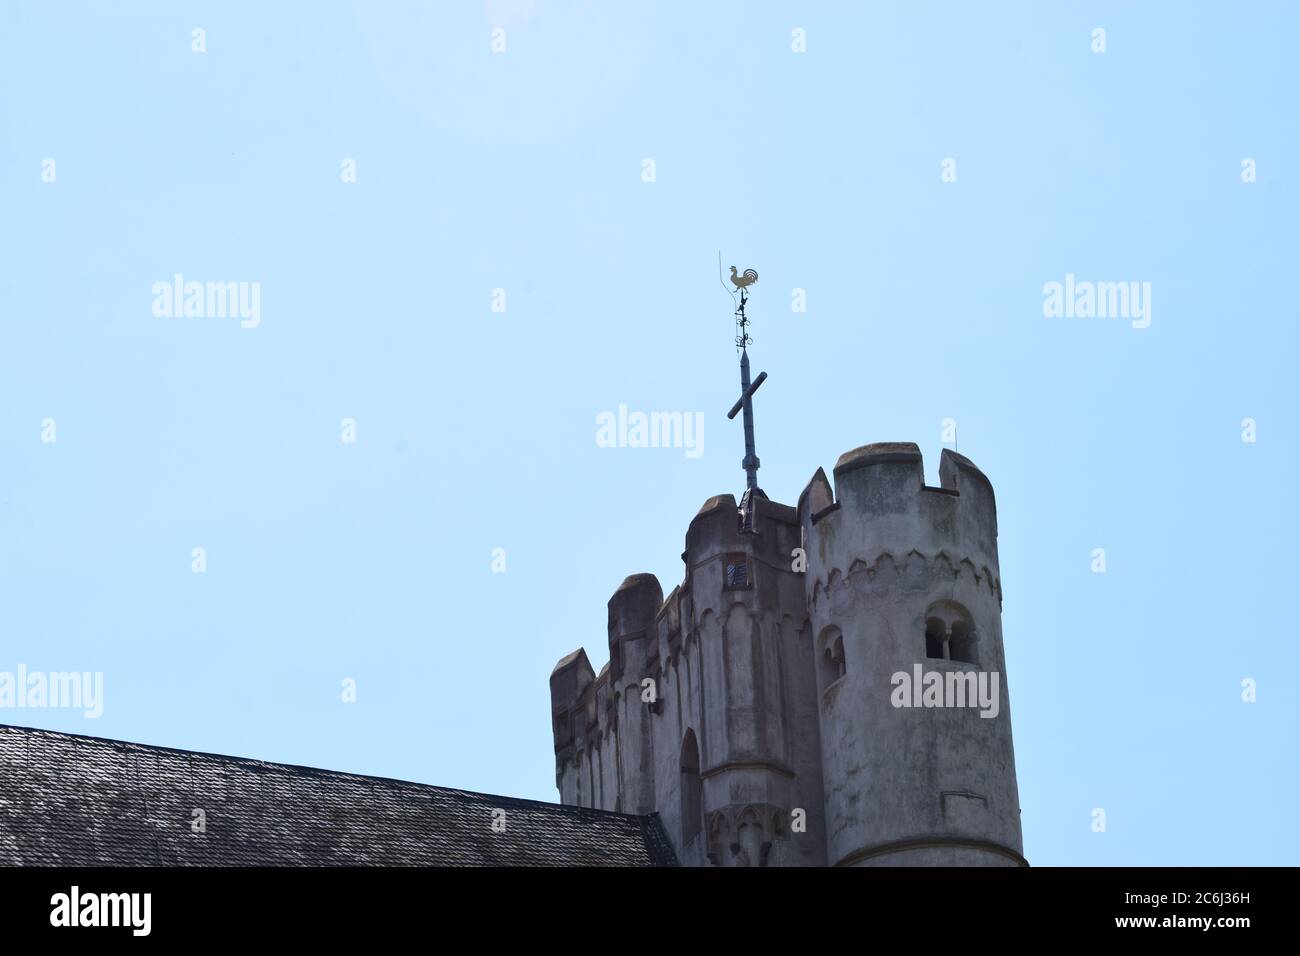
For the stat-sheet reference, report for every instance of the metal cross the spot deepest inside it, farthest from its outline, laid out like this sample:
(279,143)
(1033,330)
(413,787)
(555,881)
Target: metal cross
(746,404)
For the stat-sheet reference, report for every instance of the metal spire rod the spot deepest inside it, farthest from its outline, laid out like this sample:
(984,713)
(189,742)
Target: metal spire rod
(746,401)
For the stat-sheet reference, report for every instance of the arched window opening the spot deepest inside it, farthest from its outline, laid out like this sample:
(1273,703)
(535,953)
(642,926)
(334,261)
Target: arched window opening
(950,633)
(831,661)
(692,789)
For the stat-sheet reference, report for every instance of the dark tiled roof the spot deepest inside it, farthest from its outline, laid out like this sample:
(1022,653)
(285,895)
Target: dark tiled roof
(84,801)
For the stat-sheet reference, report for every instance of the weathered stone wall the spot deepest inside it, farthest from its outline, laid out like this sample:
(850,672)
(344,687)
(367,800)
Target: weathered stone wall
(732,670)
(753,728)
(908,784)
(759,750)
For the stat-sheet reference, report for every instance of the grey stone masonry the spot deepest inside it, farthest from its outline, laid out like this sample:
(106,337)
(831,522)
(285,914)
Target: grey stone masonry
(828,689)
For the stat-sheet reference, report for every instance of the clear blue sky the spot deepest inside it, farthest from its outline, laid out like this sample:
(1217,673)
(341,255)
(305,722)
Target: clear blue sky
(523,170)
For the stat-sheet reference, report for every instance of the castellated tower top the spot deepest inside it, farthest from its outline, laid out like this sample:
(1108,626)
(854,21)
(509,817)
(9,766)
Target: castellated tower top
(754,709)
(896,513)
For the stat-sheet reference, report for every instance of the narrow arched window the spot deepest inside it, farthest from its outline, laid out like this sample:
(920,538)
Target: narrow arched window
(692,790)
(831,661)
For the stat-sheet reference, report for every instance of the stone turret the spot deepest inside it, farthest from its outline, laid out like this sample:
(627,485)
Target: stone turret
(903,579)
(758,740)
(758,709)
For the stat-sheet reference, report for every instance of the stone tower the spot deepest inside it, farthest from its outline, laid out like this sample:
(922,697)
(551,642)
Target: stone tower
(825,687)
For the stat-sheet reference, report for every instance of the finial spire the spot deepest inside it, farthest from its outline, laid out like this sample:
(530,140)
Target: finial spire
(746,401)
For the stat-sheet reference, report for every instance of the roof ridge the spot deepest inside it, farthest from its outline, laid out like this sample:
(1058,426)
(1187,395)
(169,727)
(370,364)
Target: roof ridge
(302,769)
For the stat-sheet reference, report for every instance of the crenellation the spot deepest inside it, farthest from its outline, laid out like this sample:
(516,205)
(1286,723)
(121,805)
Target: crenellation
(755,709)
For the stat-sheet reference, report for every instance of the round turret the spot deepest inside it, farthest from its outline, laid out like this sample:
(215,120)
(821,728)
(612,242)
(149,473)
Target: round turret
(904,600)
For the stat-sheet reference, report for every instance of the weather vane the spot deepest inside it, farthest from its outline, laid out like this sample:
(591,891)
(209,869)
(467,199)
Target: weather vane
(742,282)
(745,403)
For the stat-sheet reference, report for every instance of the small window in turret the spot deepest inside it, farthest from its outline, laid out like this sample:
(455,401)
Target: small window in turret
(836,652)
(736,573)
(832,656)
(691,790)
(950,633)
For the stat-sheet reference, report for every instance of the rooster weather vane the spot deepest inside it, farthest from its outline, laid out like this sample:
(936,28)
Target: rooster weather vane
(745,403)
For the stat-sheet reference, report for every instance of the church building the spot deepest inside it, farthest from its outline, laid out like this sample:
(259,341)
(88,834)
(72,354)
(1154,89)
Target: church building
(825,687)
(827,684)
(769,708)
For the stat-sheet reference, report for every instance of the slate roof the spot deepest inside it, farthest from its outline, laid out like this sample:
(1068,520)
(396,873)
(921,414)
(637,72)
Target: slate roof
(71,800)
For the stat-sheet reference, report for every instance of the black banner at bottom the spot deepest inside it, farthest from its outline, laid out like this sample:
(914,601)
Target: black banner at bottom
(330,905)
